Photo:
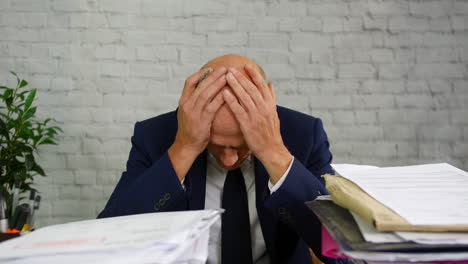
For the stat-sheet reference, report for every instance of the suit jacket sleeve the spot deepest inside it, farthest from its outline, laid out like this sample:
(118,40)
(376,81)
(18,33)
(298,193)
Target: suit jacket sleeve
(149,184)
(303,183)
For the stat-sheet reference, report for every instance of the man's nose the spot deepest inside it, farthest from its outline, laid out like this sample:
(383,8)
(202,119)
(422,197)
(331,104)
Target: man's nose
(229,157)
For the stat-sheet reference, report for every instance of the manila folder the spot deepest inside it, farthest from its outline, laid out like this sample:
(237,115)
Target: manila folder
(350,196)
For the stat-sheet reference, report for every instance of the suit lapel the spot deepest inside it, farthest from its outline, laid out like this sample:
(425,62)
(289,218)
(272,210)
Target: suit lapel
(268,223)
(197,183)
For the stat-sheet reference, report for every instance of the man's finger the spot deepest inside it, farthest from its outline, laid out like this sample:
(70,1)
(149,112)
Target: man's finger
(240,92)
(214,105)
(236,108)
(205,97)
(190,85)
(205,74)
(249,87)
(210,79)
(272,91)
(258,80)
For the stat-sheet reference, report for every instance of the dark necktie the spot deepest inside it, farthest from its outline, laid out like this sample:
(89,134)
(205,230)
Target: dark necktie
(236,246)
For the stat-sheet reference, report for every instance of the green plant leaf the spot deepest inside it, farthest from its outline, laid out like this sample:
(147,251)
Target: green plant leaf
(57,128)
(9,101)
(29,161)
(51,131)
(12,124)
(36,139)
(17,78)
(8,93)
(23,83)
(26,133)
(20,135)
(6,134)
(47,121)
(47,141)
(24,92)
(21,149)
(3,126)
(30,99)
(29,113)
(27,124)
(38,169)
(13,108)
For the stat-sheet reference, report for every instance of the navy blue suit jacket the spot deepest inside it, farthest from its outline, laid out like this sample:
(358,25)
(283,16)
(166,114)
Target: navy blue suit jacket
(289,228)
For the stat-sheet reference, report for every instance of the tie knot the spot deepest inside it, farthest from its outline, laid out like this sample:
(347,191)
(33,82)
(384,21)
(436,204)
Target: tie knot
(235,171)
(234,177)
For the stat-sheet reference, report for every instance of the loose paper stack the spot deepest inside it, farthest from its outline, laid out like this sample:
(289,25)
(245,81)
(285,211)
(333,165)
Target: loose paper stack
(410,213)
(430,197)
(173,237)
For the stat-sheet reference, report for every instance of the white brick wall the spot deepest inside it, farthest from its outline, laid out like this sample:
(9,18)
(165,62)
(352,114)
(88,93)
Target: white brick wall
(388,78)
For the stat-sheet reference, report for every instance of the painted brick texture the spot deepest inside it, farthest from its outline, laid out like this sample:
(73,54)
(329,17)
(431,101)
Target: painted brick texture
(388,78)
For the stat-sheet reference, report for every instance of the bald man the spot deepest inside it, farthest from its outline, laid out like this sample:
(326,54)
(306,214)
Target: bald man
(228,145)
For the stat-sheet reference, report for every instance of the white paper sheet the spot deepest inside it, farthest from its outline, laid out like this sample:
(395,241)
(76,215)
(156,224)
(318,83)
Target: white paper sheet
(196,252)
(410,257)
(432,194)
(144,238)
(438,238)
(371,234)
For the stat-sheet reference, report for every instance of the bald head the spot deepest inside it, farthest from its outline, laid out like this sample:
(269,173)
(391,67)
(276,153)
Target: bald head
(224,121)
(226,141)
(232,60)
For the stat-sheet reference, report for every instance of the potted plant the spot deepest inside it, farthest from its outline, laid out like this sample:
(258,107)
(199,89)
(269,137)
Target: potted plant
(20,135)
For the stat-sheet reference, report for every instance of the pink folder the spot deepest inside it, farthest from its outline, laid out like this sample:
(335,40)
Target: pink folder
(329,246)
(331,249)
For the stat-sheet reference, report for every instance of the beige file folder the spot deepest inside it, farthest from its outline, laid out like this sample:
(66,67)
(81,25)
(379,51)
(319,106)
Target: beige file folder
(350,196)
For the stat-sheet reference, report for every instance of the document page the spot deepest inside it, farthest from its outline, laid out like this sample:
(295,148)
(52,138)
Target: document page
(451,238)
(143,238)
(432,194)
(371,234)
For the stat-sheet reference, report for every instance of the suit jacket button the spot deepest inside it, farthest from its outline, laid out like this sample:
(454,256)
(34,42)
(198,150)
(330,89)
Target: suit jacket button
(162,202)
(156,207)
(167,196)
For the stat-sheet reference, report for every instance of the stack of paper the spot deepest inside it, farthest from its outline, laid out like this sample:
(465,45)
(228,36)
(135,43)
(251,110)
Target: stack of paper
(430,197)
(343,238)
(432,194)
(173,237)
(411,213)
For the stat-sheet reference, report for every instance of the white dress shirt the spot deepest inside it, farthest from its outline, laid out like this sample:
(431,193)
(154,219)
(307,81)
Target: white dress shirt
(215,177)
